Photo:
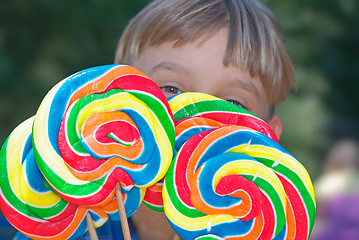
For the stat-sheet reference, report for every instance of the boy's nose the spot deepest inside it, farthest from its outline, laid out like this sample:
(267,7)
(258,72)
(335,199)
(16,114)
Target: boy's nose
(205,87)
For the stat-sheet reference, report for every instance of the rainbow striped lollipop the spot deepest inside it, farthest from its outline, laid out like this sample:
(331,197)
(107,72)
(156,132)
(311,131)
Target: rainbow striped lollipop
(102,126)
(233,182)
(28,202)
(197,112)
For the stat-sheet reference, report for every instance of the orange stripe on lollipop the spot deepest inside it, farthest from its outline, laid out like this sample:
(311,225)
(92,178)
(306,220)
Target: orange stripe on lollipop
(255,231)
(156,188)
(101,83)
(111,206)
(195,122)
(291,226)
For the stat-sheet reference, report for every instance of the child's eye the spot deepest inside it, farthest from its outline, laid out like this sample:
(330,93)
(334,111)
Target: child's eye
(170,90)
(235,102)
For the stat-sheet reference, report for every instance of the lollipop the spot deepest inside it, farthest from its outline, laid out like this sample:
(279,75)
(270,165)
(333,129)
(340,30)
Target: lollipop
(197,112)
(233,182)
(28,202)
(102,126)
(153,197)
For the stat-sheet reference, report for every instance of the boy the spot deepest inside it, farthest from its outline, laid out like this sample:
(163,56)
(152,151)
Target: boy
(232,49)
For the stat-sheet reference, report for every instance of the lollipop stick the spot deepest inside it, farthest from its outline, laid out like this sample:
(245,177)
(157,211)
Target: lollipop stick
(122,212)
(91,227)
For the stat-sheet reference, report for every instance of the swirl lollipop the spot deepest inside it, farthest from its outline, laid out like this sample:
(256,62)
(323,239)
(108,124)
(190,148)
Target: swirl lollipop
(233,182)
(30,205)
(102,126)
(197,112)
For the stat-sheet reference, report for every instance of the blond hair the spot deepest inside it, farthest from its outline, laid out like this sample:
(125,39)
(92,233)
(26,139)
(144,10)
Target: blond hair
(255,41)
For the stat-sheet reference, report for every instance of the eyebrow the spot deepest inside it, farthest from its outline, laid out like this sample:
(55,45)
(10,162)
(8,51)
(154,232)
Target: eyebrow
(183,70)
(173,67)
(247,85)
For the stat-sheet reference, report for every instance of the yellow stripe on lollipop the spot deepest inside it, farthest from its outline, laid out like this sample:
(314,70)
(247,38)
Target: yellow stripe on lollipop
(38,199)
(53,159)
(17,176)
(191,97)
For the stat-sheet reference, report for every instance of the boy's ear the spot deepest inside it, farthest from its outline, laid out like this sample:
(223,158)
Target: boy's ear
(276,125)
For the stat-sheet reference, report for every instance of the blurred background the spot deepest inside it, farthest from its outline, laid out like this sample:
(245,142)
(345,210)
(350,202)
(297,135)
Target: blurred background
(44,41)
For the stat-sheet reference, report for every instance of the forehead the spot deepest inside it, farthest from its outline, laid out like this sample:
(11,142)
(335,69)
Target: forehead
(211,47)
(198,66)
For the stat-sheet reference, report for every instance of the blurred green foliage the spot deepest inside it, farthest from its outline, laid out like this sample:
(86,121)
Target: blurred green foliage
(322,39)
(44,41)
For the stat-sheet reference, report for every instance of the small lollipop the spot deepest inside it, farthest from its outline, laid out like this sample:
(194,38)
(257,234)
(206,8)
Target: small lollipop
(102,126)
(233,182)
(153,196)
(27,201)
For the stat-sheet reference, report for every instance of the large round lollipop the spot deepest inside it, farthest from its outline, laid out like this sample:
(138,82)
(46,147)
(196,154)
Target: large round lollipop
(28,202)
(102,126)
(197,112)
(233,182)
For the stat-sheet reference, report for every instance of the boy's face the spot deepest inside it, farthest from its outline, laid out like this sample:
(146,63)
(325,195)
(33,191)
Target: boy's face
(198,67)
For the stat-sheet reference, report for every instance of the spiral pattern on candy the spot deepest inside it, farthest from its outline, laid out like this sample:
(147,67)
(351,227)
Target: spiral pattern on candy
(197,112)
(101,126)
(30,205)
(233,182)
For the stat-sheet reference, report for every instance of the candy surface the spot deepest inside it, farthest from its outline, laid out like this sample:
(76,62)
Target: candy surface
(101,126)
(28,202)
(153,197)
(233,182)
(197,112)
